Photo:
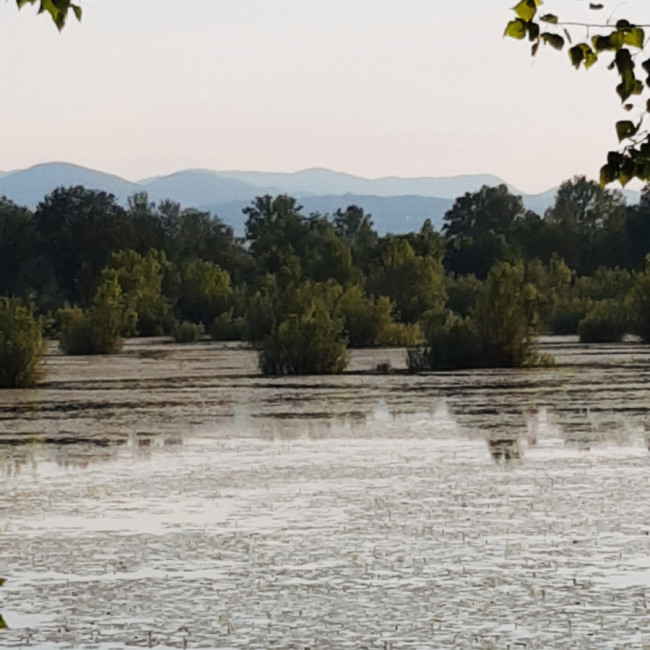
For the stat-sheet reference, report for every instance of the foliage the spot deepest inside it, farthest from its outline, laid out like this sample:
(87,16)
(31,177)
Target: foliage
(98,329)
(186,332)
(21,345)
(57,9)
(605,322)
(567,315)
(366,319)
(205,292)
(305,344)
(621,43)
(463,293)
(140,279)
(476,229)
(639,301)
(507,317)
(499,334)
(228,327)
(413,283)
(77,230)
(452,342)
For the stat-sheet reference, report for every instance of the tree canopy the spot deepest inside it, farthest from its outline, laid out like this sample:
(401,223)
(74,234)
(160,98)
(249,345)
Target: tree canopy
(57,9)
(620,43)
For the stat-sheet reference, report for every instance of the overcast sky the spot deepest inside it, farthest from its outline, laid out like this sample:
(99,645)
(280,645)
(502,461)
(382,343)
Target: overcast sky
(370,87)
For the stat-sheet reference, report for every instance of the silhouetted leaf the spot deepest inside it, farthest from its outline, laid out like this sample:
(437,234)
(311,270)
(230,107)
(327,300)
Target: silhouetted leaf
(625,129)
(554,40)
(549,18)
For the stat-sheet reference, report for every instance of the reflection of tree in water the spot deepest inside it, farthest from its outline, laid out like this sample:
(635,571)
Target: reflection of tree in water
(74,452)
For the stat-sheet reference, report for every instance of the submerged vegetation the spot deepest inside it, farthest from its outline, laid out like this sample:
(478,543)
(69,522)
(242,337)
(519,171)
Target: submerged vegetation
(300,289)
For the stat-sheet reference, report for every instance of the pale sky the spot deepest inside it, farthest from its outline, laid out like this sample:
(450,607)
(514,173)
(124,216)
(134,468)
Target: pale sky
(369,87)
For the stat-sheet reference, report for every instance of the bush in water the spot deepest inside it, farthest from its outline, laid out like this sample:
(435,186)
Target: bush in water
(605,322)
(98,329)
(21,345)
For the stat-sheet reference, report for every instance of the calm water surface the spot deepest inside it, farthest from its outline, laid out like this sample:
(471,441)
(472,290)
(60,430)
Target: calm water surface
(170,497)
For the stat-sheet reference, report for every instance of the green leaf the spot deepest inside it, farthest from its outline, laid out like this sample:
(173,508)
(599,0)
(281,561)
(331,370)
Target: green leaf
(549,18)
(3,625)
(582,53)
(516,29)
(634,37)
(554,40)
(625,129)
(526,9)
(623,24)
(646,65)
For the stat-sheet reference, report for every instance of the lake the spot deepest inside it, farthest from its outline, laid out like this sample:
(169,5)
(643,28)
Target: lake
(170,497)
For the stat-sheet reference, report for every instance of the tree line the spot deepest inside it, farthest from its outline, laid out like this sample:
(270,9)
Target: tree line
(302,288)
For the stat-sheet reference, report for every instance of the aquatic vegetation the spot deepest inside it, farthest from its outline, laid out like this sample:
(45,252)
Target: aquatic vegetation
(186,332)
(21,345)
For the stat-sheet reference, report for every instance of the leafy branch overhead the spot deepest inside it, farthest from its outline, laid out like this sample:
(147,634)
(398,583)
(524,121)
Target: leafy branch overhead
(57,9)
(622,43)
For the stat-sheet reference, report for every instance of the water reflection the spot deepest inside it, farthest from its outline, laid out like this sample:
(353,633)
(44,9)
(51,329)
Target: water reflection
(180,499)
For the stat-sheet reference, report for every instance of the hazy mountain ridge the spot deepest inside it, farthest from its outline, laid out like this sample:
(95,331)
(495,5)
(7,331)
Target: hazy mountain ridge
(397,204)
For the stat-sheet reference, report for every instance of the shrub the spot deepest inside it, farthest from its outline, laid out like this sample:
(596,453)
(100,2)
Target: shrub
(500,333)
(567,315)
(452,343)
(21,345)
(639,302)
(227,327)
(186,332)
(307,344)
(366,320)
(506,318)
(605,322)
(98,329)
(463,293)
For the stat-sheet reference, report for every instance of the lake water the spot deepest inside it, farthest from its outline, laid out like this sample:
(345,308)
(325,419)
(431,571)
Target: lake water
(170,497)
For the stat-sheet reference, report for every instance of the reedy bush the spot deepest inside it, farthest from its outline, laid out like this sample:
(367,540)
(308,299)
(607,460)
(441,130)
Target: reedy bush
(98,329)
(186,332)
(21,345)
(305,344)
(605,322)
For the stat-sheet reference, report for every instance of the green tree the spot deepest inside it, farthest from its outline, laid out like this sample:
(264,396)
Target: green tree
(414,284)
(78,230)
(205,292)
(621,43)
(476,229)
(141,280)
(16,246)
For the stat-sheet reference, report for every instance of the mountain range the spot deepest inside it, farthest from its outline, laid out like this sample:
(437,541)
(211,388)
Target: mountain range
(397,205)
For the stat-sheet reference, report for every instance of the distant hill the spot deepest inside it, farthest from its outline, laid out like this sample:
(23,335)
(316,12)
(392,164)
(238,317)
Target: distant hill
(397,205)
(29,186)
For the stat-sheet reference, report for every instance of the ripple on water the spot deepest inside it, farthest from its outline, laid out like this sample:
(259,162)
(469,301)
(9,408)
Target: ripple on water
(357,511)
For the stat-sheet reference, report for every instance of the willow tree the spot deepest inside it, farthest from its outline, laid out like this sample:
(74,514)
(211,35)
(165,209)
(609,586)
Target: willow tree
(620,44)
